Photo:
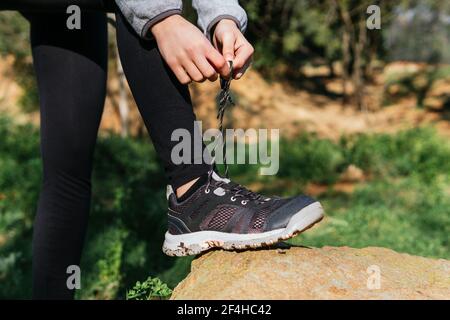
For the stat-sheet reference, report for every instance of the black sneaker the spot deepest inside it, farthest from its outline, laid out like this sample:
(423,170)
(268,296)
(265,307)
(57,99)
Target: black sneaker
(223,214)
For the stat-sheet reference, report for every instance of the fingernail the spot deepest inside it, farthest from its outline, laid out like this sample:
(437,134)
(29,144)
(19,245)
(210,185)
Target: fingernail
(239,75)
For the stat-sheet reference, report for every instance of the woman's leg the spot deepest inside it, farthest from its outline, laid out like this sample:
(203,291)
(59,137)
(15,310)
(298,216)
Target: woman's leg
(164,103)
(71,70)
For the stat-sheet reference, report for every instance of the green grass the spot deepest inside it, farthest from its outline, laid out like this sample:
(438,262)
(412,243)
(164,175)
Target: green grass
(406,215)
(404,206)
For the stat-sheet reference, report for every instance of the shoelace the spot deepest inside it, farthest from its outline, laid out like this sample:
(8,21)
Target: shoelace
(241,191)
(225,100)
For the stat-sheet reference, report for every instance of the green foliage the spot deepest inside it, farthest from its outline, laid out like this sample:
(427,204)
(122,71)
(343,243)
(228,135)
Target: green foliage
(14,40)
(289,31)
(309,159)
(152,288)
(104,281)
(14,32)
(417,152)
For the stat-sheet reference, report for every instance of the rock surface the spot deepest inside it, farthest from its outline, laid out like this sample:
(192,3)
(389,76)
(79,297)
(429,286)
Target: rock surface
(305,273)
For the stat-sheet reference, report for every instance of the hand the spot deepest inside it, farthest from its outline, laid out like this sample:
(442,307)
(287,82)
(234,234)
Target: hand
(229,40)
(187,51)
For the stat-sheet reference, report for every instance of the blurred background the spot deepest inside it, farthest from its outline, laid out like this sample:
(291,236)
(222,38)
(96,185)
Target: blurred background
(364,117)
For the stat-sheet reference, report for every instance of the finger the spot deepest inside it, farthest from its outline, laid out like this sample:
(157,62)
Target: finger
(193,72)
(244,54)
(228,40)
(205,68)
(181,75)
(217,61)
(240,72)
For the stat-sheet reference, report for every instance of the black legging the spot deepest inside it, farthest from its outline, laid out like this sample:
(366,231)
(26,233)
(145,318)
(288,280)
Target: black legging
(71,70)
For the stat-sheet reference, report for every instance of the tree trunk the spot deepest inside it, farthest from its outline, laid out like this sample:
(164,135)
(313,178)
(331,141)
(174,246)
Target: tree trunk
(121,107)
(345,64)
(358,77)
(124,108)
(347,38)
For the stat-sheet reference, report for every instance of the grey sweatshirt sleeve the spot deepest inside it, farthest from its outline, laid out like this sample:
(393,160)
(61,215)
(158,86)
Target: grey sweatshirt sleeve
(143,14)
(212,11)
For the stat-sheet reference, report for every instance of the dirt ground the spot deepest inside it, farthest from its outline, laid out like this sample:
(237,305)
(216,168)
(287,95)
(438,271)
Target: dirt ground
(261,104)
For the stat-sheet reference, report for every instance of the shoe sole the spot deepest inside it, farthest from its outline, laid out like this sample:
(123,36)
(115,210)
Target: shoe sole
(197,242)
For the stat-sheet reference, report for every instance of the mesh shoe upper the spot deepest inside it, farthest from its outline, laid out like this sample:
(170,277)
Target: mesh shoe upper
(224,206)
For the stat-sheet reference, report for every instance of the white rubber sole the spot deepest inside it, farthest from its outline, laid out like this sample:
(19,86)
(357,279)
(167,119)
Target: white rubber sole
(197,242)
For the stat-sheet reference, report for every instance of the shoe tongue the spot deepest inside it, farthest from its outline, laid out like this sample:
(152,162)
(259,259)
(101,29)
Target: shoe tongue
(218,178)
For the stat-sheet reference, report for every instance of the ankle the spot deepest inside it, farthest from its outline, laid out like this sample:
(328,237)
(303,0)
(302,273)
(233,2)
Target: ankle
(189,188)
(185,187)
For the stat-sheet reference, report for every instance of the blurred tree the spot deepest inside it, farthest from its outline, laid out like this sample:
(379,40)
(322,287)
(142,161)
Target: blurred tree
(420,32)
(14,40)
(352,15)
(14,35)
(292,33)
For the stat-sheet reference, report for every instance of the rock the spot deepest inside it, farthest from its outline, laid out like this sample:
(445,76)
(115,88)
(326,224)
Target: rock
(313,273)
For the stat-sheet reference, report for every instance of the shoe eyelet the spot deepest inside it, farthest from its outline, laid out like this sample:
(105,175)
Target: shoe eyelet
(244,202)
(233,199)
(207,190)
